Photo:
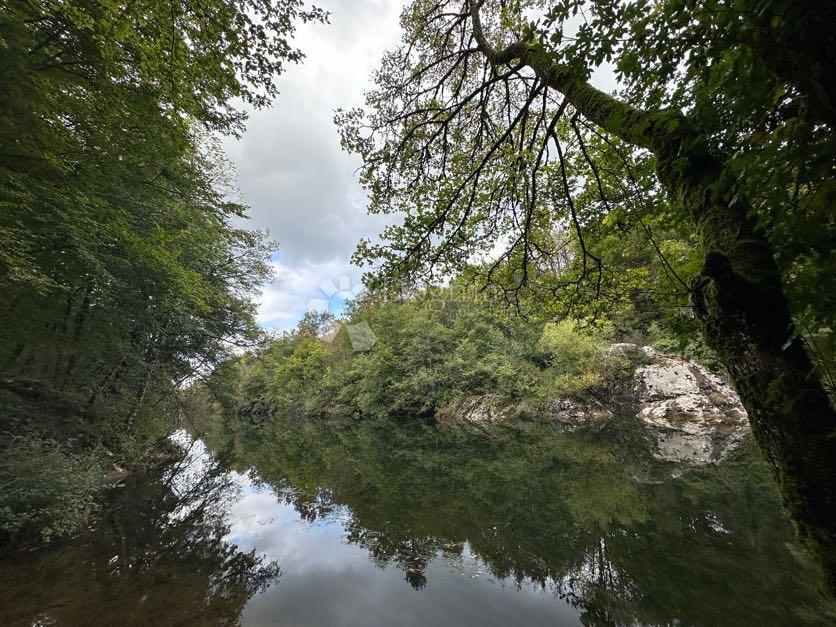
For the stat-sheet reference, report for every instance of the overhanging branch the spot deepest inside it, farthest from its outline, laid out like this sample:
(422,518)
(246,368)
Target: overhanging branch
(628,123)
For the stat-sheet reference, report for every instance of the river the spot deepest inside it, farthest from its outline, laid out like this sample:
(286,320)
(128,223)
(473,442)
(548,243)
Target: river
(385,524)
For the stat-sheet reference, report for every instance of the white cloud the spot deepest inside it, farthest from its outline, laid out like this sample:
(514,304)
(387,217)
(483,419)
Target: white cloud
(291,170)
(299,286)
(300,185)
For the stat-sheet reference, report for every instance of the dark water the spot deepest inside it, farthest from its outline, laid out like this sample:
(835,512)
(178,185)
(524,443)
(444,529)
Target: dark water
(373,524)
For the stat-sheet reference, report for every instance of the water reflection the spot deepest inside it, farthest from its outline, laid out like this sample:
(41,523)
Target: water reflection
(379,525)
(160,556)
(585,522)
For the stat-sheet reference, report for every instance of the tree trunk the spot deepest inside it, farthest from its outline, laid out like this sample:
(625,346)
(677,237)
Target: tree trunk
(789,412)
(739,298)
(78,330)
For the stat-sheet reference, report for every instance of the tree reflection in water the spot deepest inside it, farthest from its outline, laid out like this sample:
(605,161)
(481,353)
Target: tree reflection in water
(587,518)
(160,555)
(592,518)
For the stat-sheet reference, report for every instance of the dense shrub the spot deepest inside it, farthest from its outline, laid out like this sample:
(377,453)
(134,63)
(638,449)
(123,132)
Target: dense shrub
(577,357)
(46,490)
(424,354)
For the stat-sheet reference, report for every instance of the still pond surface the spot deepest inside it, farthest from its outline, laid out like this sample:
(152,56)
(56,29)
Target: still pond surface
(377,524)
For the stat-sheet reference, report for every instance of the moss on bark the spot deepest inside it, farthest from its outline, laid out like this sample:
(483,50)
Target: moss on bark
(738,296)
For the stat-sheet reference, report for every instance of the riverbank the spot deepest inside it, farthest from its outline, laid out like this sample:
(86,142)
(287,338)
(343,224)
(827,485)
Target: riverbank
(59,464)
(688,414)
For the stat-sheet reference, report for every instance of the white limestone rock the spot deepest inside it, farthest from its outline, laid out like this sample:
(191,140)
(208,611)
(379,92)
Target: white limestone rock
(690,415)
(694,415)
(476,411)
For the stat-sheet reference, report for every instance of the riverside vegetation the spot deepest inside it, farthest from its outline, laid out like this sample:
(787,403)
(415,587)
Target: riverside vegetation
(412,358)
(122,272)
(691,212)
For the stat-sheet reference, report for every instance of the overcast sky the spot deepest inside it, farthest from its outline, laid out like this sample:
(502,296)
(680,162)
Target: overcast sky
(299,183)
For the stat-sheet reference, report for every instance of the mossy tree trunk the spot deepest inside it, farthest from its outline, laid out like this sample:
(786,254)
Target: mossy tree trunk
(748,324)
(738,296)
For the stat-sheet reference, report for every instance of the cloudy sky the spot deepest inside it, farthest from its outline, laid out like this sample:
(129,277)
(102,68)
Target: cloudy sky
(292,172)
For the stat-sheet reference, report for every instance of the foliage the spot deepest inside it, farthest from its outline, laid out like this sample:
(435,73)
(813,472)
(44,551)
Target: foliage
(300,373)
(485,135)
(46,490)
(429,351)
(123,264)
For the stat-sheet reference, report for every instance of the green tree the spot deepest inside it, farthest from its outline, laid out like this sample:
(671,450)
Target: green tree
(123,265)
(483,131)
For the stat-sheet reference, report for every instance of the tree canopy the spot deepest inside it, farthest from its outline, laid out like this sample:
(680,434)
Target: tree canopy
(716,160)
(497,159)
(125,266)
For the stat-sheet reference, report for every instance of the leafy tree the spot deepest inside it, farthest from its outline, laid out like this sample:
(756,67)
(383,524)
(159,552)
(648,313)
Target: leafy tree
(123,266)
(485,132)
(430,353)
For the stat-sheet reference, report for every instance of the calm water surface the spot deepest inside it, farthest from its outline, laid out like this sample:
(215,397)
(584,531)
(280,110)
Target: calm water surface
(382,525)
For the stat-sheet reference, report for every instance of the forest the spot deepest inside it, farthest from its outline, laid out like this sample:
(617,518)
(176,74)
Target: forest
(535,223)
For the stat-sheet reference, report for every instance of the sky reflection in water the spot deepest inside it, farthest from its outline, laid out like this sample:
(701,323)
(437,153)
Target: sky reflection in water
(377,524)
(329,581)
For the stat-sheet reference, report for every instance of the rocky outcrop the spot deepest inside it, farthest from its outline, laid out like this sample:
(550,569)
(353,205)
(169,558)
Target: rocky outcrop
(632,351)
(689,415)
(574,412)
(478,411)
(692,414)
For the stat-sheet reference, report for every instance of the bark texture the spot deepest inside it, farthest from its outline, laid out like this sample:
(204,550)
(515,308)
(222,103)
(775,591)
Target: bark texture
(738,296)
(749,326)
